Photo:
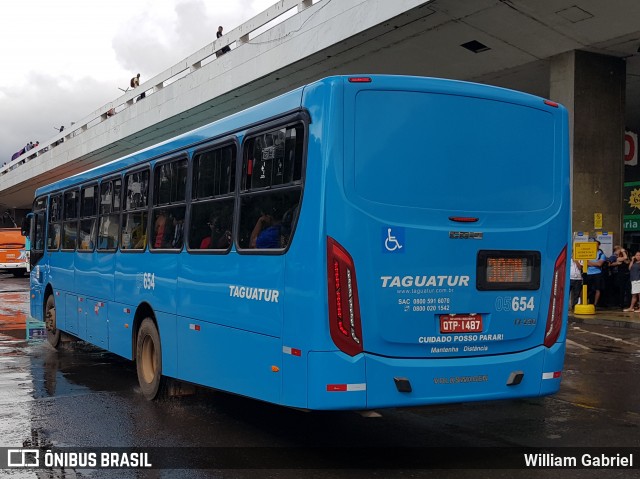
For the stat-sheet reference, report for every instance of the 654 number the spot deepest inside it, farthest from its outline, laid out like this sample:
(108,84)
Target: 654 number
(149,281)
(515,303)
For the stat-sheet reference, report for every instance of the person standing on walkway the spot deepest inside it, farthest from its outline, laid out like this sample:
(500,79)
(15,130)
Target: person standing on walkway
(595,281)
(575,282)
(634,274)
(619,267)
(224,49)
(135,83)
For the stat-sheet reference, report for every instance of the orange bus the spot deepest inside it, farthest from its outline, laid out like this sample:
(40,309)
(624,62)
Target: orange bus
(13,252)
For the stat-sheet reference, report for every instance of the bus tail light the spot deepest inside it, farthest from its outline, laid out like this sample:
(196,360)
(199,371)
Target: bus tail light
(344,308)
(359,79)
(556,302)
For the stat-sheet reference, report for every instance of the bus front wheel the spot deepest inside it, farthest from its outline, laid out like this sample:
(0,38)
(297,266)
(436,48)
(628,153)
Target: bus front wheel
(53,333)
(149,360)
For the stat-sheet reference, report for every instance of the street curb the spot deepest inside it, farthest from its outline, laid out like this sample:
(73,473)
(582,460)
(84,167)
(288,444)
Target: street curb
(615,323)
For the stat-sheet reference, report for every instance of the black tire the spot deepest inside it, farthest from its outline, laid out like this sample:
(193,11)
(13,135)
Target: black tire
(149,361)
(53,333)
(19,273)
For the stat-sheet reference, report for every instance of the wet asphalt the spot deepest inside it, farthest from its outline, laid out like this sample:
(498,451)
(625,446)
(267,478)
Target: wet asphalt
(81,396)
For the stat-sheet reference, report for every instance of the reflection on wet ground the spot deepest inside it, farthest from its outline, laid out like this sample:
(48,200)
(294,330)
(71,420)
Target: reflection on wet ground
(13,313)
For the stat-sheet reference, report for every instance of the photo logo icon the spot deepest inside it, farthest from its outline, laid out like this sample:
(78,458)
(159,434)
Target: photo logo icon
(23,457)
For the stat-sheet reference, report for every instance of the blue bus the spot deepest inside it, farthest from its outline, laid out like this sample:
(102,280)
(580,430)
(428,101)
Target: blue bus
(359,242)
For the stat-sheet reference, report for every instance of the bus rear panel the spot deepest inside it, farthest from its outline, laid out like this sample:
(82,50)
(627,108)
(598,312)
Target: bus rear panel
(447,244)
(13,253)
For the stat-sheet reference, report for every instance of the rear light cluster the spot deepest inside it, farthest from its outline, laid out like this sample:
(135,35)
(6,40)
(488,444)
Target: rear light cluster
(556,303)
(463,219)
(344,308)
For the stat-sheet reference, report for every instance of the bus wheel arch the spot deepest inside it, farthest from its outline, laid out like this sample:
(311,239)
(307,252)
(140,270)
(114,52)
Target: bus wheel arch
(148,354)
(143,311)
(49,317)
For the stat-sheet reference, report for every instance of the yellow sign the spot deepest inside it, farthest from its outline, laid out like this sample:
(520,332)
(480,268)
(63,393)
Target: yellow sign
(597,220)
(588,250)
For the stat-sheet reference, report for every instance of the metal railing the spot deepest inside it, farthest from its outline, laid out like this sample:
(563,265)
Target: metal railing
(236,38)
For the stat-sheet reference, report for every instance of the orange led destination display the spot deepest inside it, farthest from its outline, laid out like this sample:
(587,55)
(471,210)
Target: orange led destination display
(508,270)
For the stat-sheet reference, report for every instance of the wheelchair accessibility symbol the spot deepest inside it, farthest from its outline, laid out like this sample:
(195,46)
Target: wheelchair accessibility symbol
(393,240)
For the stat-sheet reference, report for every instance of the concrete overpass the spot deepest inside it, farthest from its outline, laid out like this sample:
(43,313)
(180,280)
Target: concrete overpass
(583,53)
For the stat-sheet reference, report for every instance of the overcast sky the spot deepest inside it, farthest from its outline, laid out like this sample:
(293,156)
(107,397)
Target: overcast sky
(63,59)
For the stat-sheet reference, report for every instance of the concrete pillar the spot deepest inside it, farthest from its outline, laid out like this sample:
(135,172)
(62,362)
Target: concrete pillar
(592,87)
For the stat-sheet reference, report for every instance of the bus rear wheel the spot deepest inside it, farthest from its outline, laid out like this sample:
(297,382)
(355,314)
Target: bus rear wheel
(149,360)
(53,333)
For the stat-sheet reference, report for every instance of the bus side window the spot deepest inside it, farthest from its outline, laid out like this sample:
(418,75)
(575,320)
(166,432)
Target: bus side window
(70,220)
(109,223)
(88,207)
(213,202)
(38,242)
(271,188)
(38,224)
(169,201)
(133,233)
(55,229)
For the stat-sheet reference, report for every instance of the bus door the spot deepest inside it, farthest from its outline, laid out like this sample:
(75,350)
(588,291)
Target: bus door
(39,276)
(93,272)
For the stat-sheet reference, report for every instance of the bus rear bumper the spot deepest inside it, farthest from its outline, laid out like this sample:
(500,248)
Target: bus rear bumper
(464,379)
(366,381)
(13,266)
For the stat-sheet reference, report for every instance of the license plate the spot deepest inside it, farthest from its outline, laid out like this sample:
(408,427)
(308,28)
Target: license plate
(460,323)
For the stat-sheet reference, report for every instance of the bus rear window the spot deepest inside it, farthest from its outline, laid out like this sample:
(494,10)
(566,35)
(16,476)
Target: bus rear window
(271,188)
(453,153)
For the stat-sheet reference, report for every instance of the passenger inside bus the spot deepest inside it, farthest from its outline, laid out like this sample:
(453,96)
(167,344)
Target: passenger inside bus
(220,234)
(270,232)
(159,230)
(288,222)
(86,240)
(134,235)
(108,234)
(177,230)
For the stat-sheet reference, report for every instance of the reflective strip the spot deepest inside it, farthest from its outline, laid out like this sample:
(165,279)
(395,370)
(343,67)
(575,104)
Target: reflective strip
(357,387)
(554,375)
(292,351)
(194,327)
(346,387)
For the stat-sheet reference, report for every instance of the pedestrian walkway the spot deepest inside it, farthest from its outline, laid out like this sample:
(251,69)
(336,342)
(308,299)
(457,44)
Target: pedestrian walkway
(609,317)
